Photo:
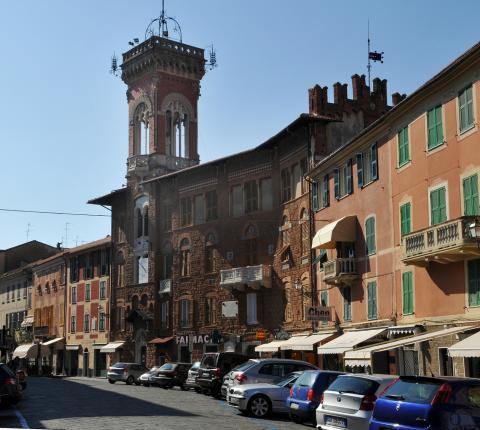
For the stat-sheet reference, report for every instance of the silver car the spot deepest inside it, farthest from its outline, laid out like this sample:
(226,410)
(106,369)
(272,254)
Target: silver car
(261,399)
(146,378)
(268,370)
(349,401)
(126,372)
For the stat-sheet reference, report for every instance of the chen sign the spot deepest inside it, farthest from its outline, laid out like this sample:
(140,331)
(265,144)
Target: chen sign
(318,313)
(196,338)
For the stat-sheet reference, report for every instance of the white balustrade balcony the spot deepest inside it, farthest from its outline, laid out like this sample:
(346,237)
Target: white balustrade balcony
(249,276)
(340,271)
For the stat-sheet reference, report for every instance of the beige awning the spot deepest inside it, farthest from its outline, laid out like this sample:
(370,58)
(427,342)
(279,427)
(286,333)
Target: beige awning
(112,346)
(348,341)
(341,230)
(53,341)
(305,343)
(27,321)
(270,347)
(468,347)
(30,350)
(363,356)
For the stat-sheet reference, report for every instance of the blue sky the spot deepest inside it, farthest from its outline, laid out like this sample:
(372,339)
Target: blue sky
(63,117)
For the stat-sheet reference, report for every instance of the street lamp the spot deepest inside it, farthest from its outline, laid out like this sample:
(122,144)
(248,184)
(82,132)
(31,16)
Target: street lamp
(474,230)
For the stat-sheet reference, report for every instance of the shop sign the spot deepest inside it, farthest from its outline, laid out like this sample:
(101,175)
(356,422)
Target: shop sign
(230,309)
(318,313)
(195,339)
(261,335)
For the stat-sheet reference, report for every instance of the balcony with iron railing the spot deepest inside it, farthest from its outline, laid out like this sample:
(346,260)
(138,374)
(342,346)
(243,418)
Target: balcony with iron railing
(249,276)
(340,271)
(141,164)
(448,242)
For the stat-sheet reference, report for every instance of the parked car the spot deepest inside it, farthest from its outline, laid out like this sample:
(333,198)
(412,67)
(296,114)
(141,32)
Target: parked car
(172,374)
(22,378)
(349,401)
(261,399)
(214,366)
(227,379)
(146,378)
(127,372)
(192,376)
(258,370)
(306,393)
(10,389)
(417,402)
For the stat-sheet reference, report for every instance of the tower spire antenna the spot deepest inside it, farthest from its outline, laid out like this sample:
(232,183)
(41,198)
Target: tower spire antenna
(372,55)
(162,22)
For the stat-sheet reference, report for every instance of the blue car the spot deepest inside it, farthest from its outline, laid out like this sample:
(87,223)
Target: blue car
(424,403)
(306,393)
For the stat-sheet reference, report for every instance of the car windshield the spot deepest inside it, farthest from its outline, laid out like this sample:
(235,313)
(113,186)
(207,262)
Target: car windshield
(120,365)
(167,366)
(195,366)
(291,377)
(354,385)
(307,379)
(244,366)
(209,361)
(153,370)
(416,391)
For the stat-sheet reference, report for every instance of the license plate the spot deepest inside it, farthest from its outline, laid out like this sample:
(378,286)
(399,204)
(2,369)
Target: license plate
(294,405)
(336,421)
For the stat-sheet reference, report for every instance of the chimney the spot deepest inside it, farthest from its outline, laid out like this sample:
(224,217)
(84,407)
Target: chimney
(357,88)
(317,99)
(376,85)
(339,93)
(396,98)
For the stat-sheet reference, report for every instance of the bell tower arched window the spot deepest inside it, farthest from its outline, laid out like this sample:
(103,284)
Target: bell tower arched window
(141,217)
(141,132)
(176,130)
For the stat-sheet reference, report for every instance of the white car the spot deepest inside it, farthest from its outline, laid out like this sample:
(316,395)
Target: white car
(349,401)
(146,378)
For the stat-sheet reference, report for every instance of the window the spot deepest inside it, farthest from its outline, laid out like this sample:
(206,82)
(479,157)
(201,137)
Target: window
(184,257)
(315,196)
(186,211)
(87,292)
(142,269)
(74,269)
(210,310)
(407,293)
(403,147)
(140,130)
(470,196)
(325,192)
(285,229)
(370,236)
(104,262)
(324,302)
(210,254)
(286,185)
(435,128)
(86,323)
(139,218)
(237,200)
(103,289)
(252,308)
(251,196)
(347,303)
(73,324)
(88,267)
(145,221)
(405,219)
(199,209)
(297,180)
(101,322)
(251,245)
(74,294)
(167,217)
(372,300)
(266,200)
(211,201)
(343,180)
(164,315)
(184,313)
(474,282)
(465,109)
(305,232)
(367,166)
(438,206)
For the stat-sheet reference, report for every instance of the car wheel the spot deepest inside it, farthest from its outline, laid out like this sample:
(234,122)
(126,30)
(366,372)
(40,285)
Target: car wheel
(296,419)
(130,380)
(137,382)
(259,406)
(111,381)
(197,390)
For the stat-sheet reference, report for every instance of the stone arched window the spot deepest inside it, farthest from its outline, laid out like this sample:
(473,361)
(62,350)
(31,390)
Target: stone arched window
(185,257)
(251,245)
(141,217)
(210,259)
(141,132)
(177,129)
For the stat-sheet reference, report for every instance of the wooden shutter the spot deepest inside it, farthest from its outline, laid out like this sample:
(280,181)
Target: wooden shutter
(474,283)
(326,192)
(372,300)
(336,181)
(405,220)
(370,235)
(407,293)
(470,195)
(374,161)
(349,177)
(360,170)
(315,205)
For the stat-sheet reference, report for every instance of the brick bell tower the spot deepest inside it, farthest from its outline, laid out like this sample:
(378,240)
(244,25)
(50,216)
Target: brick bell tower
(163,78)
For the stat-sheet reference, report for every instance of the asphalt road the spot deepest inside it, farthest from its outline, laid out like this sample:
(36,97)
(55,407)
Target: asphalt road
(83,403)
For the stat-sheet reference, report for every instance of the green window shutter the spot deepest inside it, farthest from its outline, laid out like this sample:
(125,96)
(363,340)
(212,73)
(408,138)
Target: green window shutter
(465,107)
(360,170)
(374,161)
(438,206)
(324,298)
(407,285)
(372,300)
(336,182)
(443,204)
(326,193)
(474,282)
(370,235)
(470,195)
(438,124)
(349,177)
(347,303)
(403,150)
(315,196)
(435,128)
(469,100)
(405,219)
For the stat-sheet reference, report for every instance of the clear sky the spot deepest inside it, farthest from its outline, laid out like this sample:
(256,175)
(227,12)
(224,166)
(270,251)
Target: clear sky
(63,117)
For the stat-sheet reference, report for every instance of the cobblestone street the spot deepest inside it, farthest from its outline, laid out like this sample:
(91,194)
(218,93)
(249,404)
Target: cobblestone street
(81,403)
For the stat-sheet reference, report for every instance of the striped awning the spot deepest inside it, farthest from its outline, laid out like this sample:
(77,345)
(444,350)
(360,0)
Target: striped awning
(341,230)
(468,347)
(112,346)
(270,347)
(349,340)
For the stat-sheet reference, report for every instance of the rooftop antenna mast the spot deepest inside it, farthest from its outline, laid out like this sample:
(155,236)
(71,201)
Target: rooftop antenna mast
(372,55)
(162,22)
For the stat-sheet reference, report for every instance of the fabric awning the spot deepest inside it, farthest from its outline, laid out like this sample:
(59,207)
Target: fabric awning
(468,347)
(161,340)
(348,341)
(112,346)
(52,341)
(403,329)
(99,345)
(30,350)
(363,356)
(27,321)
(341,230)
(72,347)
(270,347)
(305,343)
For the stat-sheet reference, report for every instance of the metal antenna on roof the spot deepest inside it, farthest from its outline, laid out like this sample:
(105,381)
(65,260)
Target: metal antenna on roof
(374,56)
(162,22)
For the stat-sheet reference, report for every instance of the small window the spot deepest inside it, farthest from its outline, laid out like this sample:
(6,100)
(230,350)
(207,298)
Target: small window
(372,300)
(199,209)
(73,324)
(87,292)
(407,293)
(465,109)
(266,197)
(347,303)
(473,267)
(103,289)
(438,206)
(101,322)
(286,185)
(186,211)
(185,320)
(211,203)
(403,147)
(370,236)
(86,323)
(237,200)
(185,257)
(252,308)
(367,166)
(405,219)
(251,196)
(74,294)
(435,127)
(470,196)
(343,180)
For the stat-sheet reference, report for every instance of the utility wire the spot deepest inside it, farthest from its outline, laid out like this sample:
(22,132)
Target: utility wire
(53,213)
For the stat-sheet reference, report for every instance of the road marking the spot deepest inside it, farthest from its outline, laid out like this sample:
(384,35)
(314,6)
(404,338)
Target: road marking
(21,419)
